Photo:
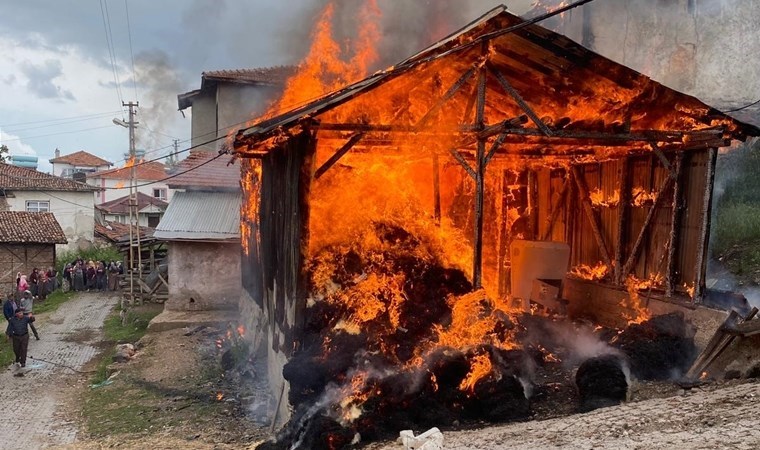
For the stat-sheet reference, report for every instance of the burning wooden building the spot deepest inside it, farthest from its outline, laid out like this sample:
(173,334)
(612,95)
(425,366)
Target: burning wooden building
(373,210)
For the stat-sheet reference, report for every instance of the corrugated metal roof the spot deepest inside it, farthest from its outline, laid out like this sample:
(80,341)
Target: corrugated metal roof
(205,216)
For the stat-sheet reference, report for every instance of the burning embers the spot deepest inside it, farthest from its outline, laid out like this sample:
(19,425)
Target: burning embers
(396,340)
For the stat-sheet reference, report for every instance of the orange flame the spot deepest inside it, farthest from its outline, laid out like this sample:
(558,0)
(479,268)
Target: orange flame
(598,198)
(641,197)
(480,367)
(633,302)
(586,272)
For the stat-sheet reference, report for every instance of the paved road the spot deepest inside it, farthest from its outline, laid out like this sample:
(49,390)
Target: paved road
(725,418)
(29,404)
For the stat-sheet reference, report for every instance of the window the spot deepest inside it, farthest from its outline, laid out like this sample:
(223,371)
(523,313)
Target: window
(37,206)
(159,194)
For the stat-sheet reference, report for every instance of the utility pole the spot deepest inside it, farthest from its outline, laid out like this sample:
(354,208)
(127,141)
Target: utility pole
(134,220)
(173,155)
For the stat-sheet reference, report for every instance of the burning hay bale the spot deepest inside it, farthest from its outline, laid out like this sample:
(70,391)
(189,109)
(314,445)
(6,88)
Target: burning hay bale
(659,348)
(395,339)
(602,381)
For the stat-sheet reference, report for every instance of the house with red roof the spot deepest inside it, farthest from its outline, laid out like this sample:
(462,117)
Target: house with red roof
(150,179)
(78,162)
(72,203)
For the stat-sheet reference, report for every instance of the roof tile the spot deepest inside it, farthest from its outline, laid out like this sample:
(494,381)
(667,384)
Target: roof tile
(220,174)
(81,158)
(23,179)
(30,227)
(276,75)
(121,204)
(147,171)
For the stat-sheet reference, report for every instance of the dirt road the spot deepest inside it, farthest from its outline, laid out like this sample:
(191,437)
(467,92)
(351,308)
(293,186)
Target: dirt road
(31,403)
(728,417)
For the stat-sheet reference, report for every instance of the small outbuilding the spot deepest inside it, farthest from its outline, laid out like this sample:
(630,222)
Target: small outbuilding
(27,240)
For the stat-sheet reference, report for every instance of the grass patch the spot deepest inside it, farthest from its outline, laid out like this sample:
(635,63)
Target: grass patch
(736,224)
(115,333)
(52,302)
(110,410)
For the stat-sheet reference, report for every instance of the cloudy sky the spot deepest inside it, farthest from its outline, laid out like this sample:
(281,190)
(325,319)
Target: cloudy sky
(61,88)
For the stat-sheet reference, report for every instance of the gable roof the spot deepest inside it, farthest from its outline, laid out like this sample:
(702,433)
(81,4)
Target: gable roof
(203,173)
(30,228)
(201,216)
(261,76)
(22,179)
(121,204)
(81,158)
(568,88)
(116,232)
(149,171)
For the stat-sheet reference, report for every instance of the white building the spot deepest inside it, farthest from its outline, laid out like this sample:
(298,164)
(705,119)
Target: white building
(78,162)
(72,203)
(114,183)
(149,210)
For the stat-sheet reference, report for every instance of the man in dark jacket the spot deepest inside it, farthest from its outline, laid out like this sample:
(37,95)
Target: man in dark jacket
(9,307)
(18,332)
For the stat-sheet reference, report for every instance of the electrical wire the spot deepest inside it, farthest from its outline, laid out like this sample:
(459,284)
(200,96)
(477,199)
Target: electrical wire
(111,54)
(56,134)
(83,117)
(131,53)
(743,107)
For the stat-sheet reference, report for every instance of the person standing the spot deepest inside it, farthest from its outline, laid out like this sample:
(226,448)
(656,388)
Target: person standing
(78,272)
(27,304)
(9,307)
(34,279)
(113,276)
(18,332)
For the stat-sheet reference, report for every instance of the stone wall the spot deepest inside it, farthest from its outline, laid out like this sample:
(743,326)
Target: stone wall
(204,276)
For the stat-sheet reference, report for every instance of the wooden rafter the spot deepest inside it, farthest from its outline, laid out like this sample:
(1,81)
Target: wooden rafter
(446,97)
(338,155)
(520,101)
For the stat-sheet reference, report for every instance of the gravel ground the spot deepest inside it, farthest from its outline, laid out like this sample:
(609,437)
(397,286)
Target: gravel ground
(707,418)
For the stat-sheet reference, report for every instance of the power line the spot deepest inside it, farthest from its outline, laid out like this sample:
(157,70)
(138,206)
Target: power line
(59,119)
(55,134)
(743,107)
(131,53)
(67,122)
(111,52)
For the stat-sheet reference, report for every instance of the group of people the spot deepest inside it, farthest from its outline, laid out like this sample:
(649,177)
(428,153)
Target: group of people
(39,282)
(81,275)
(20,318)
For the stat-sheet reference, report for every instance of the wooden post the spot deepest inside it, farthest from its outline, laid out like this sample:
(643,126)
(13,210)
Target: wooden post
(436,189)
(477,270)
(556,208)
(704,237)
(625,196)
(532,204)
(589,210)
(640,239)
(675,226)
(446,97)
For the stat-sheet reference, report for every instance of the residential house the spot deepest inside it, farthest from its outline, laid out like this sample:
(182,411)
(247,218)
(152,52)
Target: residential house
(78,162)
(27,240)
(202,228)
(114,183)
(228,99)
(71,202)
(149,210)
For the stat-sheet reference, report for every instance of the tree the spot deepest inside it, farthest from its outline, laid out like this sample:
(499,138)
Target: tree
(3,153)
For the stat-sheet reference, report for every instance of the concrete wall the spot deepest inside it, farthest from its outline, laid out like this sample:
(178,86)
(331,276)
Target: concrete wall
(706,50)
(227,109)
(120,188)
(74,211)
(58,168)
(203,276)
(204,120)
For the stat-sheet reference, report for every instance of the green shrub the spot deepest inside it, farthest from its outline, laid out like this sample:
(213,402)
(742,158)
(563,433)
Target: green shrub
(735,224)
(108,253)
